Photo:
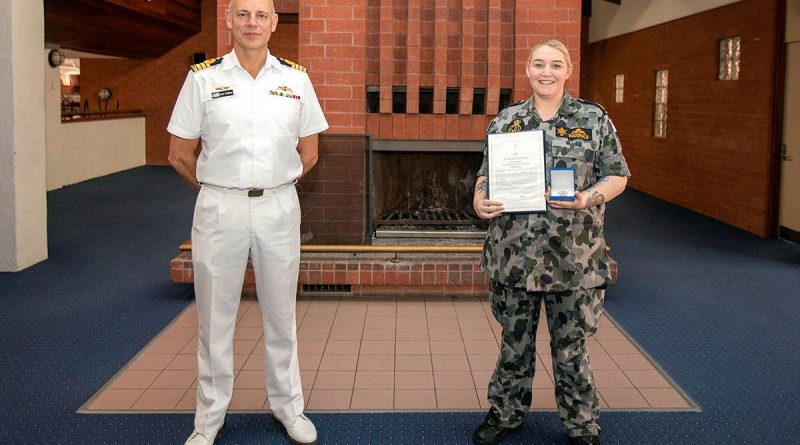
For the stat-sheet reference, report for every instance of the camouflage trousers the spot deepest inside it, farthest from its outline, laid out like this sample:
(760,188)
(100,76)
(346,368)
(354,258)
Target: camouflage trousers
(571,318)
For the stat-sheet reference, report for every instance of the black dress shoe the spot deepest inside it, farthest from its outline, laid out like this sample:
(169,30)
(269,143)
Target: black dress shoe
(491,432)
(584,440)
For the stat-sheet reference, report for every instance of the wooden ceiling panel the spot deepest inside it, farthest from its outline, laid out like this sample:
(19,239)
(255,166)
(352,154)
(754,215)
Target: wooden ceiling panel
(124,28)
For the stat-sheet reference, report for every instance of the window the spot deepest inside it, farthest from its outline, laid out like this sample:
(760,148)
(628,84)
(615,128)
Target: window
(479,101)
(660,115)
(505,98)
(398,100)
(373,99)
(451,101)
(619,88)
(729,58)
(425,100)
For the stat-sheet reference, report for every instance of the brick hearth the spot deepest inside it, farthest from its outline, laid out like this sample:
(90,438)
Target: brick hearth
(376,270)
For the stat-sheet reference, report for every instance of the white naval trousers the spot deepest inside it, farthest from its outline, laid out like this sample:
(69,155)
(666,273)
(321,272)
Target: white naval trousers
(228,227)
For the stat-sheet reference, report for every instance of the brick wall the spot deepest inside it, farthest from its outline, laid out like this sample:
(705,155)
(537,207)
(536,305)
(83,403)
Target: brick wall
(333,194)
(149,84)
(349,44)
(404,274)
(283,42)
(332,40)
(466,44)
(537,20)
(284,6)
(716,157)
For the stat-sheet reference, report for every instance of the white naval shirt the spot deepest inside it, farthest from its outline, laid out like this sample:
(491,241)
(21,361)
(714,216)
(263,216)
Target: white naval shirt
(249,127)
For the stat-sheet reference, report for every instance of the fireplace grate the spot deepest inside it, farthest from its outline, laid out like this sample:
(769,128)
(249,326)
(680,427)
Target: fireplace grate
(428,217)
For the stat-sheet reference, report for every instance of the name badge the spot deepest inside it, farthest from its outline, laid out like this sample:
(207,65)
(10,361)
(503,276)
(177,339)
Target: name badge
(218,94)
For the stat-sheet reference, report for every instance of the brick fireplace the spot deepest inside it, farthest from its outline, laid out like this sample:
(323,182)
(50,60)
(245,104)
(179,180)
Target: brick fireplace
(337,221)
(359,182)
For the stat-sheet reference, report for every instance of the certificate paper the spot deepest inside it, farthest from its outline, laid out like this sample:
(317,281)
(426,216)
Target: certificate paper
(516,170)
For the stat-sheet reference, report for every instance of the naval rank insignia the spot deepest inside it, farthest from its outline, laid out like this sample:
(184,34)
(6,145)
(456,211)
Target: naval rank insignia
(207,64)
(291,64)
(515,126)
(574,133)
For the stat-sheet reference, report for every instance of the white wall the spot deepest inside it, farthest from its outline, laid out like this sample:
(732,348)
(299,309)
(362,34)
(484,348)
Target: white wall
(610,20)
(23,201)
(77,151)
(8,239)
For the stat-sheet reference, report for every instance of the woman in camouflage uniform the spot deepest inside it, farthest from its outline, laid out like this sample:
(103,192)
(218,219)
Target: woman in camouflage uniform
(557,257)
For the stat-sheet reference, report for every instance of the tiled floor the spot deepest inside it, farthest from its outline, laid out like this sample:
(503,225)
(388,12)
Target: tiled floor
(380,354)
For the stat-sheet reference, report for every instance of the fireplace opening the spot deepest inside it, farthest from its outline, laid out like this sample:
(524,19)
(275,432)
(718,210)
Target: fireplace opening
(425,194)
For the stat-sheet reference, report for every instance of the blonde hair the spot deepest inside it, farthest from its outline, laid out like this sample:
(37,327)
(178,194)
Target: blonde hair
(555,44)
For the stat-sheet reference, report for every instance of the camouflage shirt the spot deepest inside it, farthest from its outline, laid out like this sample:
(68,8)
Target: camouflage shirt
(559,249)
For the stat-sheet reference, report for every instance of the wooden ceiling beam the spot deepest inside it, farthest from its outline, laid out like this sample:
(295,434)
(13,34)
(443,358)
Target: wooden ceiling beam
(122,28)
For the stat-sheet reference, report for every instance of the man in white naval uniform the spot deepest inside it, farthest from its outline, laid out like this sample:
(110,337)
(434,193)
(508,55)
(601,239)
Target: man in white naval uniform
(258,119)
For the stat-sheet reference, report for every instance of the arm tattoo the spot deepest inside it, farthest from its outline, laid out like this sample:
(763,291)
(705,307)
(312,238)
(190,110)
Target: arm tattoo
(596,199)
(483,186)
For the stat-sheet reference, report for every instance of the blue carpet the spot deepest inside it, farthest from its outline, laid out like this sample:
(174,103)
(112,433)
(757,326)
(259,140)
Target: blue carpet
(716,307)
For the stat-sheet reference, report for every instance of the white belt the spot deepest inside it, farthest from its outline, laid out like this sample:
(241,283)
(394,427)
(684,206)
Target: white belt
(250,193)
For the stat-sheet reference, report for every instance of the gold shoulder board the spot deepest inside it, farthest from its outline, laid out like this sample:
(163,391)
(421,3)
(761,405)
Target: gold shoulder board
(291,64)
(207,64)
